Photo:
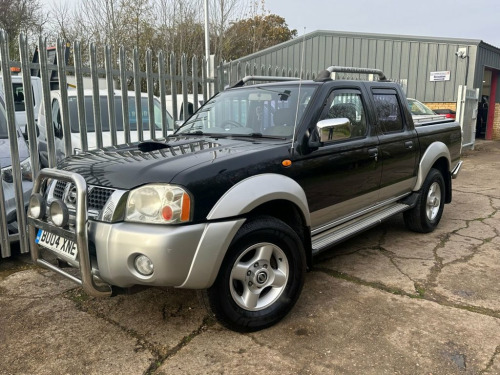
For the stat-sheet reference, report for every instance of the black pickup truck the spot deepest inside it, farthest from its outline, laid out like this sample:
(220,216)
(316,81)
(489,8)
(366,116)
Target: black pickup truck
(238,201)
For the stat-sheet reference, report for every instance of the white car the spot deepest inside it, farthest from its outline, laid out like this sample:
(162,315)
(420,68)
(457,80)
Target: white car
(180,107)
(89,118)
(420,112)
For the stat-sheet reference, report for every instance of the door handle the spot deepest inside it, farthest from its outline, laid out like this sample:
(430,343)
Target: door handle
(373,152)
(409,144)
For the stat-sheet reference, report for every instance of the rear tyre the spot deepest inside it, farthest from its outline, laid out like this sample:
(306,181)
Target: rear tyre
(260,278)
(426,214)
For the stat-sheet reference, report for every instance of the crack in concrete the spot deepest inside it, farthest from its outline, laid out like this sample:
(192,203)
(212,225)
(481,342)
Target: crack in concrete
(491,362)
(428,296)
(359,281)
(391,258)
(141,343)
(160,359)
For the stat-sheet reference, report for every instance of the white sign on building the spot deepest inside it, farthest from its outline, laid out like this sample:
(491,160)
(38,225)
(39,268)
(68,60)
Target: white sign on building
(440,76)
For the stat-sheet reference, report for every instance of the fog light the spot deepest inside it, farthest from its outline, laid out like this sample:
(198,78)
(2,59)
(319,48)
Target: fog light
(59,213)
(143,265)
(37,206)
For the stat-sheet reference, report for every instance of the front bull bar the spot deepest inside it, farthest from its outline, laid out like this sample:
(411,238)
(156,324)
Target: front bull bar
(79,236)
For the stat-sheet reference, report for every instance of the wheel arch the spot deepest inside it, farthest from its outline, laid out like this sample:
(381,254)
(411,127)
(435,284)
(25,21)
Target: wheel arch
(252,192)
(437,155)
(268,194)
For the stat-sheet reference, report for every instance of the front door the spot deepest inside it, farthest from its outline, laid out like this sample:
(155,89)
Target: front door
(343,175)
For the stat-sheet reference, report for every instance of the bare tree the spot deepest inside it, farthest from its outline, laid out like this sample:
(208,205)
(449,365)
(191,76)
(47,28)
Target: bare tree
(223,13)
(21,16)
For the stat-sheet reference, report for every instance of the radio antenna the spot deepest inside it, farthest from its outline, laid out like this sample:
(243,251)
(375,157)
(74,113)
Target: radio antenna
(300,85)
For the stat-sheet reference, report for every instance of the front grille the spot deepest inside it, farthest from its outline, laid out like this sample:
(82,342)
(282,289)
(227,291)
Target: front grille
(96,198)
(59,189)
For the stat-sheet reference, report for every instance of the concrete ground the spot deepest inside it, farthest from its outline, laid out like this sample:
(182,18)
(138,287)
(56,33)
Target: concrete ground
(387,302)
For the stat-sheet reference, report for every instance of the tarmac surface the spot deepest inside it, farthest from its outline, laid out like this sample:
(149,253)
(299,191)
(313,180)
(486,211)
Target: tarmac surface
(389,301)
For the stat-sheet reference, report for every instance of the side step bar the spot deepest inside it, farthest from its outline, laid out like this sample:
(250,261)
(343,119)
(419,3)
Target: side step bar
(335,235)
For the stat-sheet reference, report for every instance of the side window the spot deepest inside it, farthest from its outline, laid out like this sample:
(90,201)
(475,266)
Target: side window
(18,97)
(347,104)
(388,112)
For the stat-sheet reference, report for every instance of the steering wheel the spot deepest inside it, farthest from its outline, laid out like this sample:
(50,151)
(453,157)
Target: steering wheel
(229,124)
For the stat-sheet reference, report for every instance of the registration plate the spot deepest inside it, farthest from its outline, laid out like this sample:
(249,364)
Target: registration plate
(56,243)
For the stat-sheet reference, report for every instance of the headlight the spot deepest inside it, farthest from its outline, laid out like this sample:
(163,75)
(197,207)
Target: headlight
(159,204)
(25,171)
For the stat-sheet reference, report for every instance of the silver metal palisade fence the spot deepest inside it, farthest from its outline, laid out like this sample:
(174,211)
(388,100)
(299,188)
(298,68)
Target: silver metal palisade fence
(162,77)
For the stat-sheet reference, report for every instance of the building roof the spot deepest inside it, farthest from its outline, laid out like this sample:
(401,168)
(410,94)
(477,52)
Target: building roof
(414,38)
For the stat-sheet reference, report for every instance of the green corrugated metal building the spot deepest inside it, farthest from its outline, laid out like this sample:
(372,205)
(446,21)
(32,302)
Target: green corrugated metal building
(431,69)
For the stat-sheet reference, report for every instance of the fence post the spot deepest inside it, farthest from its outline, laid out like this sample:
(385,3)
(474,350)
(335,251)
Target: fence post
(108,63)
(194,72)
(173,85)
(163,93)
(45,78)
(150,89)
(96,98)
(80,98)
(30,115)
(137,88)
(204,79)
(61,71)
(12,135)
(124,90)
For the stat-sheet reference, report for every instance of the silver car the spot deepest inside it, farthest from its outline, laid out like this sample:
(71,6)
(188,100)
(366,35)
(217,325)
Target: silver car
(7,177)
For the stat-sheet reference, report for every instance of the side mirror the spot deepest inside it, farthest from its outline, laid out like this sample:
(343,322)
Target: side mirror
(58,131)
(334,129)
(25,133)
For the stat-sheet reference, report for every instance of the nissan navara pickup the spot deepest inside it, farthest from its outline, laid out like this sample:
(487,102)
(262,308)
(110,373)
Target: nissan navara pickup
(240,198)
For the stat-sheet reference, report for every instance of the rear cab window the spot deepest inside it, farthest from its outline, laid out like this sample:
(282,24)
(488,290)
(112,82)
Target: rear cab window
(388,113)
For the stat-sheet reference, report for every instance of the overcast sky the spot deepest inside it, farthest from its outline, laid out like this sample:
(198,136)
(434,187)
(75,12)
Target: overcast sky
(473,19)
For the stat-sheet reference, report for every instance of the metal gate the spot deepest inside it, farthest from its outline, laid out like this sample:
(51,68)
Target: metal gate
(140,91)
(467,103)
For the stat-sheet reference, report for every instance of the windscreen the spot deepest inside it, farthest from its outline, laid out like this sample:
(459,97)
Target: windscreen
(269,110)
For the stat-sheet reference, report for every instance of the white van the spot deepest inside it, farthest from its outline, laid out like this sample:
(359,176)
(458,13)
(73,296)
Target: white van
(89,118)
(19,95)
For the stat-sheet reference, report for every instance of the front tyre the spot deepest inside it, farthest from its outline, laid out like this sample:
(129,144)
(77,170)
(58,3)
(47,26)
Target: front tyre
(426,214)
(260,278)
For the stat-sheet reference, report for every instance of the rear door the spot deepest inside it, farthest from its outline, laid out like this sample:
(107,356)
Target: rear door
(398,143)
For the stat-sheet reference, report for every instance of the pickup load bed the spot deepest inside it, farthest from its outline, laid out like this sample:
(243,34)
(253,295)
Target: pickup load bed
(238,201)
